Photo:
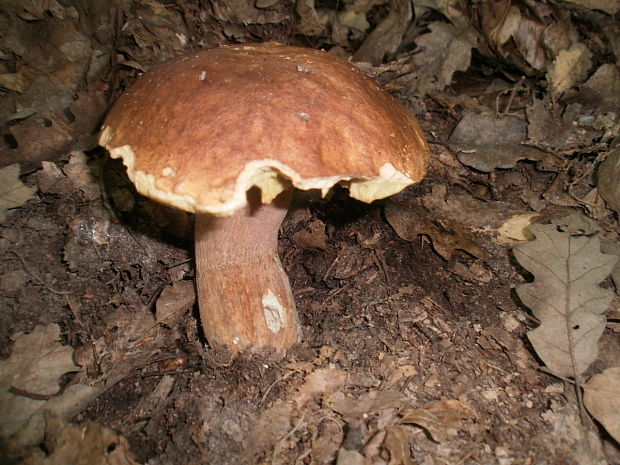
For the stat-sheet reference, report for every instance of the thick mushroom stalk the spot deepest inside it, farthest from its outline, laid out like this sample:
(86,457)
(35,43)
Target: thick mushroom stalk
(244,294)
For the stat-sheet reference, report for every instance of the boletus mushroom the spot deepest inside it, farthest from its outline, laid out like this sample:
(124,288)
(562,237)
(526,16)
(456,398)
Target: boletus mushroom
(228,133)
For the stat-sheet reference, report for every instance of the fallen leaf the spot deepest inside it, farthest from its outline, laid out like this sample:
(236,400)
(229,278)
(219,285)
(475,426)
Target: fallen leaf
(602,400)
(37,361)
(409,221)
(608,6)
(569,68)
(513,34)
(575,126)
(350,457)
(580,445)
(367,404)
(387,36)
(55,100)
(565,296)
(311,22)
(272,425)
(608,175)
(354,15)
(474,272)
(51,180)
(13,192)
(174,301)
(529,38)
(438,418)
(458,209)
(576,224)
(312,236)
(397,444)
(29,385)
(85,444)
(401,372)
(601,92)
(159,32)
(514,229)
(613,248)
(320,381)
(485,142)
(13,81)
(443,51)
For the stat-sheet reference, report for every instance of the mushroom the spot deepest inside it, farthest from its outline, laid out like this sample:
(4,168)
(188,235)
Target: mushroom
(228,133)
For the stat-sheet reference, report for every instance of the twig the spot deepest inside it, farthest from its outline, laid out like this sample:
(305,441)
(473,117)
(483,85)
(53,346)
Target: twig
(34,395)
(278,447)
(282,378)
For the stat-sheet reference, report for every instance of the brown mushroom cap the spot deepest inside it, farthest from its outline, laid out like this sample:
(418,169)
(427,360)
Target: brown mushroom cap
(200,130)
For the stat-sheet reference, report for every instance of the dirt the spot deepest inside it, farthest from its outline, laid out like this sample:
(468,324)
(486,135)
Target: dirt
(414,347)
(390,314)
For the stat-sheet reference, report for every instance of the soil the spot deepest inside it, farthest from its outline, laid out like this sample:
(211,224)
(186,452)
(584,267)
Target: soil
(392,315)
(414,347)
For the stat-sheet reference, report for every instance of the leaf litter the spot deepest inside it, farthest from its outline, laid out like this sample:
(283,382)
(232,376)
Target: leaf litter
(566,298)
(602,401)
(13,192)
(534,83)
(86,444)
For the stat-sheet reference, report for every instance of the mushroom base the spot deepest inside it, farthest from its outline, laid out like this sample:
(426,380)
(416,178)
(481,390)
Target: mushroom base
(244,294)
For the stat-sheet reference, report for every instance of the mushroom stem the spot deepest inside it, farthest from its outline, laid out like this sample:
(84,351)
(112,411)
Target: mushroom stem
(244,295)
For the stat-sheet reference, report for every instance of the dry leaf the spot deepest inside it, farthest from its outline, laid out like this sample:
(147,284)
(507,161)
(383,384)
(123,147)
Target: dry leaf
(398,446)
(367,404)
(513,34)
(438,418)
(401,372)
(59,83)
(608,176)
(159,32)
(576,224)
(13,81)
(51,180)
(601,93)
(547,129)
(174,301)
(13,192)
(85,444)
(320,381)
(350,457)
(443,51)
(565,296)
(461,211)
(266,433)
(312,236)
(515,229)
(569,68)
(29,383)
(409,221)
(485,141)
(244,12)
(37,361)
(613,248)
(387,36)
(602,400)
(608,6)
(579,445)
(311,21)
